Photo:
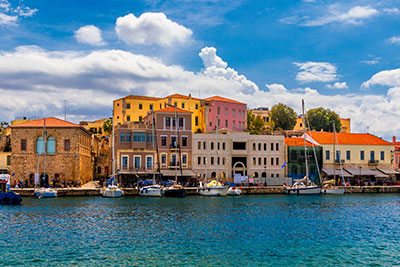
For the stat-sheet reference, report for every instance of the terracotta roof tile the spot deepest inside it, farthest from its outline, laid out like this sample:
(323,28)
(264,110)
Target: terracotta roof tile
(292,141)
(181,96)
(172,109)
(222,99)
(50,122)
(139,97)
(348,138)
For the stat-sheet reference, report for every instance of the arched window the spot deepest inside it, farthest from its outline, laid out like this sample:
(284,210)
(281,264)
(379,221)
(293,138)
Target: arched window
(40,145)
(256,175)
(254,146)
(51,145)
(264,175)
(213,175)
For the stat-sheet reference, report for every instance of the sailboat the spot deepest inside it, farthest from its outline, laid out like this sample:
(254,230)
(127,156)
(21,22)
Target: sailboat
(303,186)
(214,187)
(154,189)
(44,192)
(112,190)
(328,187)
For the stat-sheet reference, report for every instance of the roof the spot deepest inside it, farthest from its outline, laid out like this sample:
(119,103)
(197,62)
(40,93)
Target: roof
(348,138)
(291,141)
(172,110)
(337,172)
(222,99)
(181,96)
(50,122)
(139,97)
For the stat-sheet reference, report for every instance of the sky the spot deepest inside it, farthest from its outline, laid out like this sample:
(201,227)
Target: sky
(341,55)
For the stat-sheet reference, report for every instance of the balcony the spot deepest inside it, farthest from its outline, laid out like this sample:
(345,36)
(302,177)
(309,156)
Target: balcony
(173,147)
(373,162)
(173,164)
(338,161)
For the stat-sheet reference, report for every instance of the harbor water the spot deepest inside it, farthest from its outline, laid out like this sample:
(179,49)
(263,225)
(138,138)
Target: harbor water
(263,230)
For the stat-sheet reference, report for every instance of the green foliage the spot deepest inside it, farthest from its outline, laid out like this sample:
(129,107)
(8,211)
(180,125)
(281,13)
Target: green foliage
(107,126)
(323,119)
(255,124)
(283,117)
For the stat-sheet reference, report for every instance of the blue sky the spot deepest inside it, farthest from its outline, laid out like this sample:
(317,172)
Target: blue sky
(343,55)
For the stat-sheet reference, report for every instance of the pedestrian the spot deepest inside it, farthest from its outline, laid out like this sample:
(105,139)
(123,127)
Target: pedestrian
(22,184)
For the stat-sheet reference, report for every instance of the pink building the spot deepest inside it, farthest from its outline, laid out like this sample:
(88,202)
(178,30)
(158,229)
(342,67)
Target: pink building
(396,160)
(227,113)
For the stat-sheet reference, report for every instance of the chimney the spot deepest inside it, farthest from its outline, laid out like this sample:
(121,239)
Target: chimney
(394,139)
(190,96)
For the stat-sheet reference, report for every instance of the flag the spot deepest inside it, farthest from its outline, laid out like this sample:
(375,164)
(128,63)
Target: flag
(284,164)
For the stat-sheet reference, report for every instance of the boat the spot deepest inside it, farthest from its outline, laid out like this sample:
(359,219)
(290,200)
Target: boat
(329,188)
(44,192)
(234,191)
(8,197)
(213,188)
(148,188)
(303,186)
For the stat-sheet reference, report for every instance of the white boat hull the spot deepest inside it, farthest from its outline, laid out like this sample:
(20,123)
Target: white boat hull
(213,191)
(45,193)
(333,191)
(151,191)
(234,192)
(307,190)
(112,192)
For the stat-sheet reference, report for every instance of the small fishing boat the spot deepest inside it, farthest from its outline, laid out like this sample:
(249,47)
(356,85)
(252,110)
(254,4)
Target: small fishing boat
(234,191)
(8,197)
(173,189)
(45,193)
(329,188)
(112,190)
(213,188)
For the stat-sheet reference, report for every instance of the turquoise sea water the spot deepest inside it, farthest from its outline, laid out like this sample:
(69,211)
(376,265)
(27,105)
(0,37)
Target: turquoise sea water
(279,230)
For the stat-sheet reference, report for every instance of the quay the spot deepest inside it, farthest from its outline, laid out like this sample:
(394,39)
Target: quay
(246,190)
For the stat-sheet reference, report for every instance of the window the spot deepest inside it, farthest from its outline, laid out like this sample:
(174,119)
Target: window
(199,145)
(240,113)
(198,160)
(173,160)
(173,141)
(259,161)
(277,161)
(226,112)
(233,112)
(140,118)
(196,106)
(265,161)
(239,145)
(205,160)
(128,137)
(219,122)
(149,162)
(212,160)
(128,118)
(277,146)
(122,137)
(168,122)
(184,140)
(348,155)
(223,146)
(149,138)
(23,144)
(272,146)
(337,155)
(272,161)
(180,122)
(361,155)
(272,175)
(382,155)
(204,145)
(254,146)
(163,159)
(196,121)
(67,145)
(259,146)
(137,162)
(184,159)
(8,160)
(183,105)
(99,170)
(175,104)
(140,106)
(219,111)
(39,145)
(173,122)
(163,140)
(254,161)
(212,145)
(151,107)
(372,155)
(124,160)
(277,175)
(240,125)
(210,123)
(265,146)
(327,155)
(226,123)
(139,137)
(51,145)
(234,124)
(128,105)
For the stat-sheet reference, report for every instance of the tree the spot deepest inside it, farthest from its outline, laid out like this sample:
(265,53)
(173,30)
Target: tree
(255,124)
(323,119)
(283,117)
(107,126)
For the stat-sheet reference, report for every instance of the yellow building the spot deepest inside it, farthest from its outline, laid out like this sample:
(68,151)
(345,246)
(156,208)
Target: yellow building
(95,127)
(5,159)
(345,125)
(264,113)
(134,108)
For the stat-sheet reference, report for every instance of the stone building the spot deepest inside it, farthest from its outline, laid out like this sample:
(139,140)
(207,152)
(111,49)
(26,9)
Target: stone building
(227,153)
(68,149)
(135,157)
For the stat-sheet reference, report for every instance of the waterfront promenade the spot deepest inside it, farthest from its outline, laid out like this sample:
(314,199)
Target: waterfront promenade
(246,190)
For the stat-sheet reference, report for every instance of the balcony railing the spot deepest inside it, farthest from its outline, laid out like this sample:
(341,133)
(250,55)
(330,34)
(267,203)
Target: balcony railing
(373,161)
(172,164)
(337,161)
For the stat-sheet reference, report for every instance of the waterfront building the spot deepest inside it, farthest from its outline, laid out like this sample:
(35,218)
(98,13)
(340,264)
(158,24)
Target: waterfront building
(264,113)
(68,149)
(223,113)
(228,153)
(96,127)
(344,122)
(396,153)
(296,168)
(134,147)
(362,155)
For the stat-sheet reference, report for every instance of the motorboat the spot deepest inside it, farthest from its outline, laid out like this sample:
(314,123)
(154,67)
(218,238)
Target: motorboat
(302,188)
(149,188)
(329,188)
(44,192)
(112,190)
(213,188)
(174,190)
(234,191)
(8,197)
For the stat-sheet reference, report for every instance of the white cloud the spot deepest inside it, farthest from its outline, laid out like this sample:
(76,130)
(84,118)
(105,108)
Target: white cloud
(370,62)
(395,10)
(338,85)
(89,34)
(34,82)
(151,28)
(8,20)
(9,16)
(395,40)
(386,77)
(354,15)
(25,11)
(316,72)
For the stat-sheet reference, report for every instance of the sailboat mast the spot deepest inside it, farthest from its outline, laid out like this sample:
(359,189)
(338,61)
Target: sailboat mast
(152,141)
(113,147)
(305,141)
(44,155)
(176,146)
(216,150)
(334,153)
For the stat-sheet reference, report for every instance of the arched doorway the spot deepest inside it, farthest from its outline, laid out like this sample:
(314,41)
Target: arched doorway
(213,175)
(44,180)
(239,168)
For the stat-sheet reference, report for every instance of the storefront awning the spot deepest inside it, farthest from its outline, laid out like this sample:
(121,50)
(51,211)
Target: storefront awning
(362,171)
(379,174)
(388,171)
(189,173)
(338,172)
